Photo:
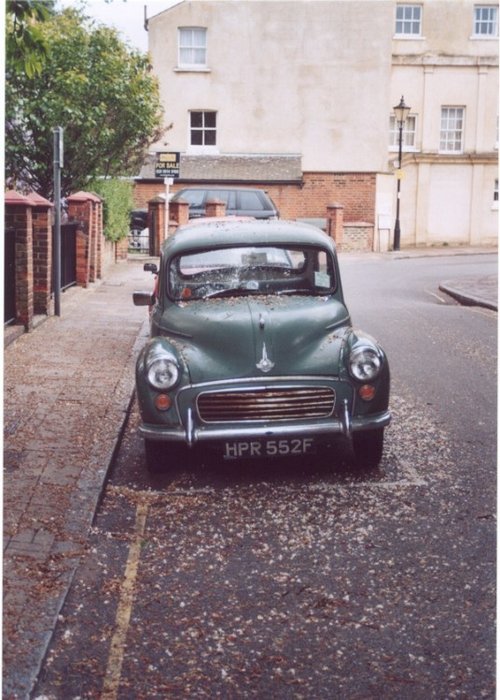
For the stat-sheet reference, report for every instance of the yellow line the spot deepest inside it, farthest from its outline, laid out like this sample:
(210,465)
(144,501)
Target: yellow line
(124,611)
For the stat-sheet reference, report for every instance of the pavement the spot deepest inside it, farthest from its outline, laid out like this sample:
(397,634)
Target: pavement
(68,386)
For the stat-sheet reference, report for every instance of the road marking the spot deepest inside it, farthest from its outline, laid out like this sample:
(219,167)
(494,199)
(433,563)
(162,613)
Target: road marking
(436,296)
(124,611)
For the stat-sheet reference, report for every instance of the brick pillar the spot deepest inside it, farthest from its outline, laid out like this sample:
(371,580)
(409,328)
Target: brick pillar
(42,253)
(93,242)
(82,256)
(121,250)
(80,210)
(19,220)
(84,208)
(99,237)
(179,214)
(215,207)
(335,223)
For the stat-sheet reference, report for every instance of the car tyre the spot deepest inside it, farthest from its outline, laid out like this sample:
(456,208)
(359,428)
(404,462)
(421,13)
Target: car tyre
(368,448)
(155,456)
(162,457)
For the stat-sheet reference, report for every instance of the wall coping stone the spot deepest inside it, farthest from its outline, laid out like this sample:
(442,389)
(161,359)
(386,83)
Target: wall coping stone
(38,201)
(83,197)
(13,197)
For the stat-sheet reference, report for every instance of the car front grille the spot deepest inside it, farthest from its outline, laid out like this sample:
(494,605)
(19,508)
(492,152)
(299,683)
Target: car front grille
(266,404)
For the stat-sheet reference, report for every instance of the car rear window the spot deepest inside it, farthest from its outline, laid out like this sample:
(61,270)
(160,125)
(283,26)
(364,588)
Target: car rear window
(251,200)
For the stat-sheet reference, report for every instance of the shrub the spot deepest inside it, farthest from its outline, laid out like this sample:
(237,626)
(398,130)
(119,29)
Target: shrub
(117,204)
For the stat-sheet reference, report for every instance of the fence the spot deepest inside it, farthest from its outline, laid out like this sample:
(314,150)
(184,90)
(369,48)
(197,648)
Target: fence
(28,264)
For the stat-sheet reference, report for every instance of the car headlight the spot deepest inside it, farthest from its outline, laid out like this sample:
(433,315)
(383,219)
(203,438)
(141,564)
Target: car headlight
(162,372)
(364,363)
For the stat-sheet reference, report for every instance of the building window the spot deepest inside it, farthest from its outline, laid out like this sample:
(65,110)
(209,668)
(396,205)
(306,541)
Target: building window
(409,133)
(203,128)
(452,129)
(408,20)
(485,21)
(192,47)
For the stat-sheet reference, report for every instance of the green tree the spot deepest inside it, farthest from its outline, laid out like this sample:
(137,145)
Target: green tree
(98,89)
(25,44)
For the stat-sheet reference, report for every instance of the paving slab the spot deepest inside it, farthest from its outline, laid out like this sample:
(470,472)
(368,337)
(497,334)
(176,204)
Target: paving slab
(67,389)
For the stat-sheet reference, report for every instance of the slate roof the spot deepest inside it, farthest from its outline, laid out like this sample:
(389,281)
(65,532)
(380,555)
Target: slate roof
(234,167)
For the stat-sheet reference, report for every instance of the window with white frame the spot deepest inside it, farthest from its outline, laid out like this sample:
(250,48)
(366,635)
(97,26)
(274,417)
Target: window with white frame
(485,21)
(452,129)
(408,20)
(409,133)
(192,47)
(203,128)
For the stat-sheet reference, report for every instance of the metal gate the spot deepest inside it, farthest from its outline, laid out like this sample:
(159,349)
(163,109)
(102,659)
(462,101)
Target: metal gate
(9,307)
(138,237)
(68,255)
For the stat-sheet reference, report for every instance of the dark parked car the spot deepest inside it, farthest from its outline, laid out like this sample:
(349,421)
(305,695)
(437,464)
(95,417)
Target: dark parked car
(239,202)
(252,352)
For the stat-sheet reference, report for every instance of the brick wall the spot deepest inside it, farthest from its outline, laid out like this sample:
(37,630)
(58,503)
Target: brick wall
(28,220)
(358,237)
(308,199)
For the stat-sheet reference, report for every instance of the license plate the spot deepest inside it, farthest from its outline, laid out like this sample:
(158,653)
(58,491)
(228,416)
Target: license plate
(243,449)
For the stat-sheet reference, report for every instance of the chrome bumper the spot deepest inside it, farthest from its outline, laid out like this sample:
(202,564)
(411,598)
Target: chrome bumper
(191,435)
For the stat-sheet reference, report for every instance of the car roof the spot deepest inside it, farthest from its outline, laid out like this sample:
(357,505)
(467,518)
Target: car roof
(210,188)
(229,231)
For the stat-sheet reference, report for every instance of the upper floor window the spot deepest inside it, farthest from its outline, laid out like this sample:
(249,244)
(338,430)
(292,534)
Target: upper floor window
(203,130)
(192,47)
(485,21)
(409,133)
(408,20)
(452,129)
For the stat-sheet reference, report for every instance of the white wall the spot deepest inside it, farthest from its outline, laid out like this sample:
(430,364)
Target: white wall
(320,77)
(283,78)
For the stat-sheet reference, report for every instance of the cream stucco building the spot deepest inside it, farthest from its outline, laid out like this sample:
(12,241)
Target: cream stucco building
(296,96)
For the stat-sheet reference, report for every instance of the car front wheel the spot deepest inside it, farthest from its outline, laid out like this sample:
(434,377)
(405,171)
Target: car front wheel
(155,456)
(368,448)
(162,456)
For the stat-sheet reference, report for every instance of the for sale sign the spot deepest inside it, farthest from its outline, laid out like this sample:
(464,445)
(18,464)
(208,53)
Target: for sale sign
(168,164)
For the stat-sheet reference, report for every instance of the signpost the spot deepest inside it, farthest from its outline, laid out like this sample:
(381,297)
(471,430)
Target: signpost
(167,167)
(58,165)
(168,181)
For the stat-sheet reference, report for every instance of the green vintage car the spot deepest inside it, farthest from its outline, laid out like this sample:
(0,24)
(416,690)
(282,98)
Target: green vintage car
(252,352)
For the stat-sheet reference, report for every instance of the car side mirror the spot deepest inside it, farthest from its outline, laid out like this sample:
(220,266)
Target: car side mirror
(144,298)
(151,267)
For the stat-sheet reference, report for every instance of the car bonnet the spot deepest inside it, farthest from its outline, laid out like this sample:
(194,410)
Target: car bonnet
(221,339)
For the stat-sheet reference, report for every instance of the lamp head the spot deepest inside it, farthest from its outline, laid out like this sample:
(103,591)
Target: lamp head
(401,111)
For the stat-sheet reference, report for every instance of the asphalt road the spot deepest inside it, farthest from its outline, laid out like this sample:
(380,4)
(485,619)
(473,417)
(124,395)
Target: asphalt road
(305,579)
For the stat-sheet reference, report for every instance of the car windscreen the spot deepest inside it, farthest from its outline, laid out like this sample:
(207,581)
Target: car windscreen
(248,270)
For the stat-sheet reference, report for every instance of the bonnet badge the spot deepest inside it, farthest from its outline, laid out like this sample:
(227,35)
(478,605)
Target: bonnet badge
(265,364)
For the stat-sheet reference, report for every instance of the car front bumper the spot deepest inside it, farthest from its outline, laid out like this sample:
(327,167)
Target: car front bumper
(191,435)
(192,430)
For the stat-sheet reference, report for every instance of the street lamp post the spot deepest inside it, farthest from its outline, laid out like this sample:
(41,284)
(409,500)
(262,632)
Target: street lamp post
(401,112)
